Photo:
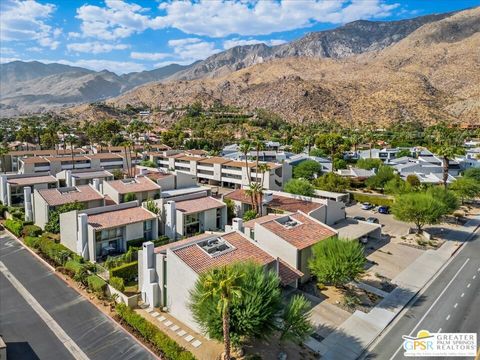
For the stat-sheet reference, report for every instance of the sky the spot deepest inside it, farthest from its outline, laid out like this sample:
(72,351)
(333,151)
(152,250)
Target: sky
(130,36)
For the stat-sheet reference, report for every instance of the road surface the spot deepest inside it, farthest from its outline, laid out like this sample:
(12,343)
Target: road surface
(41,317)
(450,304)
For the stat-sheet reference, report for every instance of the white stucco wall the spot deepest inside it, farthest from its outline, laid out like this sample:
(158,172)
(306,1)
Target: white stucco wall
(68,229)
(276,246)
(134,231)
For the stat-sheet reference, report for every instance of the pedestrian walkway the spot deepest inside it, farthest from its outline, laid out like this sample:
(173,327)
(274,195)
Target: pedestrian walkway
(354,335)
(200,346)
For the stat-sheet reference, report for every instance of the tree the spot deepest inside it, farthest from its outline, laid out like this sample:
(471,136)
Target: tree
(53,224)
(397,186)
(230,208)
(299,187)
(317,153)
(129,197)
(339,164)
(448,198)
(466,188)
(413,180)
(369,164)
(218,287)
(419,208)
(3,151)
(332,182)
(296,325)
(473,173)
(249,215)
(384,174)
(334,144)
(337,261)
(307,169)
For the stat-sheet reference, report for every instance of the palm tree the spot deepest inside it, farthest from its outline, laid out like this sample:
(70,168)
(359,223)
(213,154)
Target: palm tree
(72,140)
(262,169)
(446,152)
(3,152)
(245,147)
(223,282)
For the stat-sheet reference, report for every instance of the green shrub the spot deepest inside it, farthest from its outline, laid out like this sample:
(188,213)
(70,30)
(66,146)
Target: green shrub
(18,213)
(152,334)
(129,197)
(96,284)
(74,266)
(249,215)
(53,224)
(14,226)
(32,241)
(117,283)
(127,272)
(31,230)
(3,208)
(372,199)
(58,253)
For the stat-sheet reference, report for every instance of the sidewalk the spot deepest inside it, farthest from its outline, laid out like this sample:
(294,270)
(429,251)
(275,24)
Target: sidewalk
(353,336)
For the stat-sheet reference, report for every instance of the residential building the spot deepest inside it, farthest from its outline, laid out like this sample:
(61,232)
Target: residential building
(168,273)
(356,173)
(189,214)
(83,177)
(98,232)
(12,159)
(324,210)
(140,186)
(46,200)
(12,186)
(382,154)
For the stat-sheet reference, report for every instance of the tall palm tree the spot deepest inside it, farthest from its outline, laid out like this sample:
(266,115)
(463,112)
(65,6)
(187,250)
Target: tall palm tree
(72,140)
(245,147)
(3,152)
(262,169)
(446,152)
(224,283)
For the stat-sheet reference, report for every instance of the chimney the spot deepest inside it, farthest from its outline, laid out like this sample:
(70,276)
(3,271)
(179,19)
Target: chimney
(237,224)
(82,237)
(170,220)
(267,197)
(96,184)
(149,285)
(3,189)
(27,196)
(68,178)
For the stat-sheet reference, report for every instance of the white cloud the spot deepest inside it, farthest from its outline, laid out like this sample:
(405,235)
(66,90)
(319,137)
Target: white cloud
(227,44)
(95,47)
(222,18)
(148,56)
(119,67)
(7,59)
(7,51)
(26,21)
(192,49)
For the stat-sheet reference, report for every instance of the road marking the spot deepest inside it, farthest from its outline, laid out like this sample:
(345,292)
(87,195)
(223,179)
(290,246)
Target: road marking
(474,276)
(69,344)
(431,306)
(448,317)
(468,285)
(439,330)
(455,306)
(463,294)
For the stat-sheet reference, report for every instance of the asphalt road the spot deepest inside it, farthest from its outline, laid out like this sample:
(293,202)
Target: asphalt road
(41,317)
(450,304)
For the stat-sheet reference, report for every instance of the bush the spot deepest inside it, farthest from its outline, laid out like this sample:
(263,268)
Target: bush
(249,215)
(375,200)
(369,164)
(129,197)
(337,261)
(127,272)
(307,169)
(117,283)
(152,334)
(299,187)
(3,208)
(74,266)
(96,284)
(14,226)
(53,224)
(32,230)
(57,253)
(32,242)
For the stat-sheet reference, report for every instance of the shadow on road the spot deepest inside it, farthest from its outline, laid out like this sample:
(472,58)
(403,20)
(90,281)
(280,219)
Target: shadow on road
(20,351)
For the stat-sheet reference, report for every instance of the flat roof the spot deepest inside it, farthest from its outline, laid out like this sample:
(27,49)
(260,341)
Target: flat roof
(199,204)
(116,218)
(61,196)
(137,184)
(213,160)
(305,233)
(183,191)
(34,160)
(32,180)
(104,156)
(353,229)
(91,174)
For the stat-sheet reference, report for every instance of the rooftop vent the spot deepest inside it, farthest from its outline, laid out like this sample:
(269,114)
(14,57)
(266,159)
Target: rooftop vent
(68,190)
(288,222)
(128,181)
(215,246)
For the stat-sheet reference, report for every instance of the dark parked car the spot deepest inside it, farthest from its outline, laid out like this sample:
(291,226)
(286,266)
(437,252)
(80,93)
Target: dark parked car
(383,210)
(373,220)
(359,218)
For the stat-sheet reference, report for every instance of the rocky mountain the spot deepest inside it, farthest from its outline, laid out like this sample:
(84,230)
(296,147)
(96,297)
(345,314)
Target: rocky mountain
(432,74)
(351,39)
(34,86)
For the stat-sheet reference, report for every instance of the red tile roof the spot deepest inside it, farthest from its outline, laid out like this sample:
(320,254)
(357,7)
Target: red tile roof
(111,219)
(82,193)
(244,250)
(138,184)
(213,160)
(200,204)
(307,233)
(261,220)
(35,160)
(287,273)
(32,180)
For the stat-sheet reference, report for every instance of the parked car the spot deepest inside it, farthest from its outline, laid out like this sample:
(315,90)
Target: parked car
(373,220)
(359,218)
(363,239)
(384,210)
(367,206)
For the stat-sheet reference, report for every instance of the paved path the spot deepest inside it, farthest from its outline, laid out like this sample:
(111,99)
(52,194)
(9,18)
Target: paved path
(353,336)
(41,317)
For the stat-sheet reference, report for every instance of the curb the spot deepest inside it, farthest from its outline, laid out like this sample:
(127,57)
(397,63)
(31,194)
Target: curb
(58,275)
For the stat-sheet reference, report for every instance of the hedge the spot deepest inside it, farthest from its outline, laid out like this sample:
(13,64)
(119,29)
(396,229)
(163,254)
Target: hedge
(3,208)
(32,241)
(127,272)
(31,230)
(152,334)
(15,226)
(58,253)
(117,283)
(137,243)
(372,199)
(74,266)
(96,284)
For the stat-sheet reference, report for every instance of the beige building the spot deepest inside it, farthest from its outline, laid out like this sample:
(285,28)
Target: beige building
(12,186)
(99,232)
(140,186)
(46,200)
